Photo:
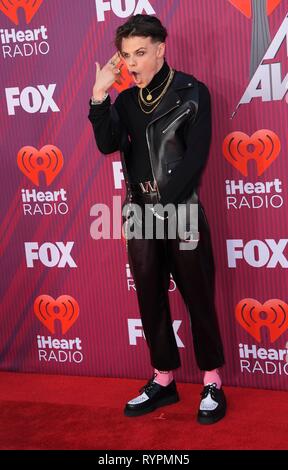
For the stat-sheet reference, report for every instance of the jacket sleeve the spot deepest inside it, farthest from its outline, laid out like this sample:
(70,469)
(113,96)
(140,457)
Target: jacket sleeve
(106,125)
(186,176)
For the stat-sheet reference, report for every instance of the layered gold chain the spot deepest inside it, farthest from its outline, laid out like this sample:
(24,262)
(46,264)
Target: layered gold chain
(149,96)
(155,102)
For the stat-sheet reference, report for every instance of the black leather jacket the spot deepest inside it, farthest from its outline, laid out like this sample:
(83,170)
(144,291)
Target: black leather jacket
(166,150)
(178,138)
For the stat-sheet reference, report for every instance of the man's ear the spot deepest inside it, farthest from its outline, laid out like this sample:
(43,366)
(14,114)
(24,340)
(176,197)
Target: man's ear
(161,50)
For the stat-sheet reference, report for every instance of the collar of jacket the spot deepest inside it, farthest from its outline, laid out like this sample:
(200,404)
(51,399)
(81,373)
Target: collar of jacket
(172,99)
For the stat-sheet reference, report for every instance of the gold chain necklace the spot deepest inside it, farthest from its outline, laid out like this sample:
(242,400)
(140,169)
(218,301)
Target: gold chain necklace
(170,78)
(149,96)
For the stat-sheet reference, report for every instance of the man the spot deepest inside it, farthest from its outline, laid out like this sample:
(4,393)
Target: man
(162,127)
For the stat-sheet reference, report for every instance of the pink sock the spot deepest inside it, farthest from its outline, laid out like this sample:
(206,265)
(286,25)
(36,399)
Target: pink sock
(212,377)
(163,377)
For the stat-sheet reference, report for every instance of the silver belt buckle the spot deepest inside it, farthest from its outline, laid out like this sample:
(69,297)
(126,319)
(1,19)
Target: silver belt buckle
(148,187)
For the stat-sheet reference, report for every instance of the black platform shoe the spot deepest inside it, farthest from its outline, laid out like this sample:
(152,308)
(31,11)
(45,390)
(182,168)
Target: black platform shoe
(152,396)
(212,406)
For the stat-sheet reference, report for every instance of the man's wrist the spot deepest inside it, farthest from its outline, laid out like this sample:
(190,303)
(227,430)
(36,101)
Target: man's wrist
(99,97)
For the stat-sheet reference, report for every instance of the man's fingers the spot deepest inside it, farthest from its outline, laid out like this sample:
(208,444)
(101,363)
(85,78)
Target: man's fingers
(97,68)
(115,59)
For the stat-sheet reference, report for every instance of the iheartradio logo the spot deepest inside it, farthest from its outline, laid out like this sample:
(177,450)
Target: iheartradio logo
(273,315)
(263,147)
(64,309)
(10,9)
(49,160)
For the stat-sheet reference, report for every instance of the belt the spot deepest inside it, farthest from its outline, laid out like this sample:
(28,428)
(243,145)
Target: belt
(145,188)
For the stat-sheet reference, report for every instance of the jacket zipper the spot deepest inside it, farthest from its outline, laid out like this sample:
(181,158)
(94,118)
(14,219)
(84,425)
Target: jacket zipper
(175,120)
(148,144)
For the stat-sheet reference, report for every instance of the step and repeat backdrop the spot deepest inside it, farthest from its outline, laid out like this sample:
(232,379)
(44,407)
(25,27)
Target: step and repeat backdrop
(68,297)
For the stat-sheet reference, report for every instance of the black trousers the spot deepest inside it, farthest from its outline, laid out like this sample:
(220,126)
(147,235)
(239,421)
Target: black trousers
(151,262)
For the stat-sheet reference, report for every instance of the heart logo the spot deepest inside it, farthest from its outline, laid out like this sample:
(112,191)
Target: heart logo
(65,309)
(10,7)
(263,146)
(252,316)
(245,6)
(48,159)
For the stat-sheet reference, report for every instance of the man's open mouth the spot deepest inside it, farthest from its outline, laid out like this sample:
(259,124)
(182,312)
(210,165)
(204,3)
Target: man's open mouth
(136,77)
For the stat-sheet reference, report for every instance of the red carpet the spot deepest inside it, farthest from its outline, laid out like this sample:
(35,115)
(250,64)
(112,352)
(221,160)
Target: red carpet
(63,412)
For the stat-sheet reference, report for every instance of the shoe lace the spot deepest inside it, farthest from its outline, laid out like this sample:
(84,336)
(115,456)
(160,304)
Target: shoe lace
(148,386)
(209,389)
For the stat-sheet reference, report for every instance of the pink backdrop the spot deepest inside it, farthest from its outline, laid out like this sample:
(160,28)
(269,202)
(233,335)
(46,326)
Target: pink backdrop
(47,72)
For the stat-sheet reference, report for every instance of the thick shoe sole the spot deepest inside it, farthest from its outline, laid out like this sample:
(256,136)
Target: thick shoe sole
(165,401)
(211,419)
